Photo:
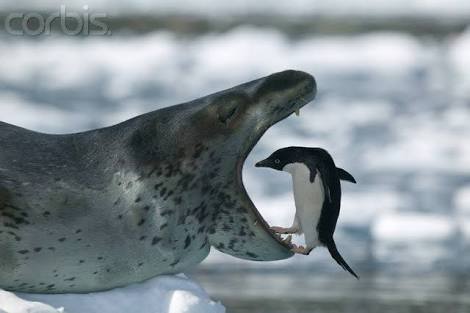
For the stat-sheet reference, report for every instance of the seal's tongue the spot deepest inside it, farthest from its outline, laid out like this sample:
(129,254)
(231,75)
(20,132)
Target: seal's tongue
(331,245)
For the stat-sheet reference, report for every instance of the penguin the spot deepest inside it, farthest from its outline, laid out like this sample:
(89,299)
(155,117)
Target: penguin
(317,195)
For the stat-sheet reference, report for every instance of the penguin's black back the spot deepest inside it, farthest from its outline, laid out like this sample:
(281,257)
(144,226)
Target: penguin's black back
(319,159)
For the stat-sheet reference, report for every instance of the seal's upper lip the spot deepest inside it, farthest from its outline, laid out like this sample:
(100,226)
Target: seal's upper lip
(300,100)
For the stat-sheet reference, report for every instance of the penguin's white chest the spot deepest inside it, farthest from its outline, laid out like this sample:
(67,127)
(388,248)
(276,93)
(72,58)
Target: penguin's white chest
(309,197)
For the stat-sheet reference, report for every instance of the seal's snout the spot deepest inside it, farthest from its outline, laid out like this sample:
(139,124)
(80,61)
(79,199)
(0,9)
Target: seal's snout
(292,78)
(303,82)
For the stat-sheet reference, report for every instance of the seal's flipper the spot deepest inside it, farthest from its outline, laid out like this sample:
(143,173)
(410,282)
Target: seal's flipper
(343,175)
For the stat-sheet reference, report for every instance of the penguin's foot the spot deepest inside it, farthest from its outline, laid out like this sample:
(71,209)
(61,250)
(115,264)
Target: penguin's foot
(301,249)
(288,239)
(282,230)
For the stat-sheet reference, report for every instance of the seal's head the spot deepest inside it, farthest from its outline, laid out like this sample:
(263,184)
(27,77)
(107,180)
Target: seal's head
(248,110)
(208,140)
(235,120)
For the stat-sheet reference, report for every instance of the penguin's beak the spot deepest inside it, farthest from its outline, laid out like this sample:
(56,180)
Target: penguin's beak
(338,258)
(263,163)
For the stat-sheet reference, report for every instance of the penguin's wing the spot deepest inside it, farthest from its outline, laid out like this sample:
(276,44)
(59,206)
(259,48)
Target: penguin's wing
(329,187)
(343,175)
(312,166)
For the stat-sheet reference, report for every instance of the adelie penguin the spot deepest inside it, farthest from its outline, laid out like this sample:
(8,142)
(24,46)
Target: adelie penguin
(317,195)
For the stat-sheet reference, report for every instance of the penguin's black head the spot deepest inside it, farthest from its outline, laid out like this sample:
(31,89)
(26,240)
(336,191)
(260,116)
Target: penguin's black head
(280,158)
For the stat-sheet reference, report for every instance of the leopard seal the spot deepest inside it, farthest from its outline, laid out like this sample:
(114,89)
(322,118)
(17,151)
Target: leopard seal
(104,208)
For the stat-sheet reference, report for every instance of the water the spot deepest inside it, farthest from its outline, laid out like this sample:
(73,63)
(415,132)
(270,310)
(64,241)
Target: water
(298,293)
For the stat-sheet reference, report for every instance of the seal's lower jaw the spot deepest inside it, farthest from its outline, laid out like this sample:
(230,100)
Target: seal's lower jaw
(285,247)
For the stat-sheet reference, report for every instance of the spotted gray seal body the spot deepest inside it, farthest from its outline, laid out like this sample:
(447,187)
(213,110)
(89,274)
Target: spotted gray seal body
(104,208)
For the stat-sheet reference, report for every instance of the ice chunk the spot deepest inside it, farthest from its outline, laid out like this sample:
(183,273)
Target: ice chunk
(164,294)
(462,200)
(412,227)
(10,303)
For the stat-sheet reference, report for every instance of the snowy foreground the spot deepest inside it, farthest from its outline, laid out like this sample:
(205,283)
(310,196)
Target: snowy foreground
(172,294)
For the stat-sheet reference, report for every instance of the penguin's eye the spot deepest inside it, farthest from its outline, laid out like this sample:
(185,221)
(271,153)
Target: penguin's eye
(277,161)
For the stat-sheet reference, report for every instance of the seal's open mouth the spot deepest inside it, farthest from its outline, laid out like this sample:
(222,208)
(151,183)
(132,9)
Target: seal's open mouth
(290,105)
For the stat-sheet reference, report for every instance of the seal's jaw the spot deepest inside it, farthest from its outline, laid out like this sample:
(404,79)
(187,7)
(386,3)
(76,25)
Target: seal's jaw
(292,106)
(245,233)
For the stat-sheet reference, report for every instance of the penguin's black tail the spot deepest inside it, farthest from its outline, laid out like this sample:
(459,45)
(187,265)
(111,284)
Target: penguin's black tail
(344,175)
(338,258)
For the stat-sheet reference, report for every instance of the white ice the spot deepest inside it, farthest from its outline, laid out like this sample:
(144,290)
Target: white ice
(164,294)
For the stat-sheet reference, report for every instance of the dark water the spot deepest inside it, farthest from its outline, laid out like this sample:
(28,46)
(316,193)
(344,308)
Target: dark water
(337,293)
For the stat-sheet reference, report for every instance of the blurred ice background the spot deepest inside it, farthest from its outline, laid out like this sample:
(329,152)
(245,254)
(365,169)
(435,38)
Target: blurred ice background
(393,108)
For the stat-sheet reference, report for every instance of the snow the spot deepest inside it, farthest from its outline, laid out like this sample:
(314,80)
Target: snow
(460,62)
(462,200)
(10,303)
(423,238)
(164,294)
(462,205)
(412,227)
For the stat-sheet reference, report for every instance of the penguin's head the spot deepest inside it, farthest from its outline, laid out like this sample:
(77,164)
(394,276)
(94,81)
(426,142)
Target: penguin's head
(279,159)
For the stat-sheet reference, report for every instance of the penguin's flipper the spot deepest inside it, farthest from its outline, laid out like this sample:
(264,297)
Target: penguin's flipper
(343,175)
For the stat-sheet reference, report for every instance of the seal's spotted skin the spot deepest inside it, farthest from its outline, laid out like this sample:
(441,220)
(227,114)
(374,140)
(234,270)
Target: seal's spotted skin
(105,208)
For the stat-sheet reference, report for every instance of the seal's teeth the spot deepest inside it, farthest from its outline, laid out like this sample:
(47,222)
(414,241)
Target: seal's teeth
(297,112)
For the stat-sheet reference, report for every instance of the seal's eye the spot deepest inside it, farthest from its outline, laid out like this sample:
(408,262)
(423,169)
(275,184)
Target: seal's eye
(227,112)
(229,107)
(277,161)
